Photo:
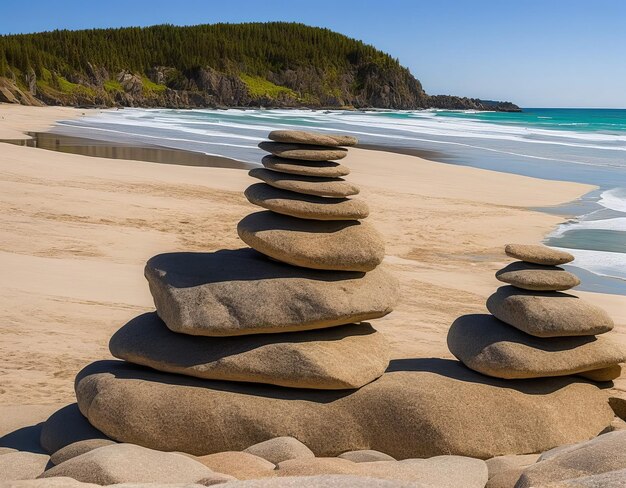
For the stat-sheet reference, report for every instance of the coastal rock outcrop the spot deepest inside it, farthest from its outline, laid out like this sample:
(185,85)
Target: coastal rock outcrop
(536,334)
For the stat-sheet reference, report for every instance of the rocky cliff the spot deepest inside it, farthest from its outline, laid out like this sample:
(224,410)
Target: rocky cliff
(242,65)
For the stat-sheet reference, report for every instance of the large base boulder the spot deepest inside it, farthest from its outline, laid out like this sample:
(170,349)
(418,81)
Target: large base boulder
(412,412)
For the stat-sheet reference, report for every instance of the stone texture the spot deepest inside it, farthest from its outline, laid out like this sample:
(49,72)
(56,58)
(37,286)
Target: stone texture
(489,346)
(241,465)
(616,424)
(610,479)
(433,397)
(209,294)
(65,482)
(365,456)
(22,465)
(324,481)
(280,449)
(306,152)
(600,455)
(67,426)
(617,401)
(60,482)
(505,479)
(440,471)
(309,185)
(78,448)
(537,278)
(306,206)
(315,138)
(343,357)
(538,254)
(501,464)
(6,450)
(548,314)
(125,463)
(322,169)
(344,245)
(605,374)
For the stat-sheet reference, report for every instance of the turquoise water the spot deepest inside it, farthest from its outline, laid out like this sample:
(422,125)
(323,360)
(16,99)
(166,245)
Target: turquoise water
(581,145)
(565,119)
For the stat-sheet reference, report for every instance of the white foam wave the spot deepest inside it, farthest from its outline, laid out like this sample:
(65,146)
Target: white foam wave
(614,199)
(603,263)
(617,224)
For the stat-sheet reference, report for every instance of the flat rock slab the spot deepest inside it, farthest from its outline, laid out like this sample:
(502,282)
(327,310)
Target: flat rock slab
(306,152)
(315,138)
(537,254)
(489,346)
(412,411)
(323,169)
(343,357)
(210,294)
(306,206)
(536,277)
(308,185)
(600,455)
(344,245)
(126,463)
(280,449)
(548,314)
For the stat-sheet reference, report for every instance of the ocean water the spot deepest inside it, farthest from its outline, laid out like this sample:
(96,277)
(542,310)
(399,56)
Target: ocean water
(581,145)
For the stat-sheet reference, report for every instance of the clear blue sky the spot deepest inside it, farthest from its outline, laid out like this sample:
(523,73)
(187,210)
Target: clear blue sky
(537,53)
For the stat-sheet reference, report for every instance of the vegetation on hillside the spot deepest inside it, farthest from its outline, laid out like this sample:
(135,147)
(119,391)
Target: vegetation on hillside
(269,64)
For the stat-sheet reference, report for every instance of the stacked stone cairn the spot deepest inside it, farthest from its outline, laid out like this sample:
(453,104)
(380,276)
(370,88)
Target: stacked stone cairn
(272,341)
(295,320)
(535,329)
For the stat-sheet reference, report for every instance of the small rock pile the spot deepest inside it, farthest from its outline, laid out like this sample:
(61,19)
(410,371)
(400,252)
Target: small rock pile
(535,330)
(256,320)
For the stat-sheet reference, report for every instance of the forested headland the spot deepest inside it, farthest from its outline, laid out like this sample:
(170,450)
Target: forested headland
(272,64)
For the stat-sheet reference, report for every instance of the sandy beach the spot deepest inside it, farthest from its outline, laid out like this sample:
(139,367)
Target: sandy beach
(77,230)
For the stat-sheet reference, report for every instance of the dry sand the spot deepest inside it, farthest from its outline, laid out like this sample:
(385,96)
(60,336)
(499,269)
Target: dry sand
(76,232)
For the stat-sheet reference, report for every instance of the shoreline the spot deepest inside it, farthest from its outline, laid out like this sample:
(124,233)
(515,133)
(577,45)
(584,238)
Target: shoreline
(78,230)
